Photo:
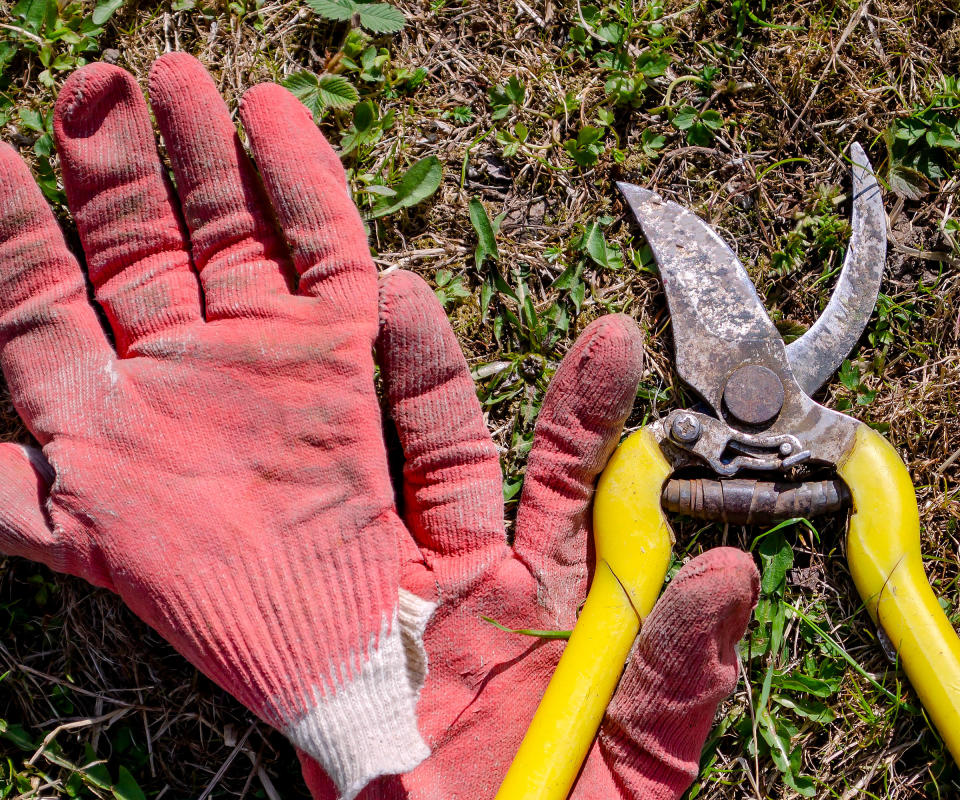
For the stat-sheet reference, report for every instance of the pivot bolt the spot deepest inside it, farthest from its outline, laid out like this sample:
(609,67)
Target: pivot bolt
(753,394)
(685,429)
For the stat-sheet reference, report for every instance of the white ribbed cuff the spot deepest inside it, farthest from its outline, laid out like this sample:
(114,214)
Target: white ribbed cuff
(365,725)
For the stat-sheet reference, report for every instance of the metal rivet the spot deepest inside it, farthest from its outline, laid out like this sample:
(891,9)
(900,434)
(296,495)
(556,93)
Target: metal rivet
(753,394)
(685,428)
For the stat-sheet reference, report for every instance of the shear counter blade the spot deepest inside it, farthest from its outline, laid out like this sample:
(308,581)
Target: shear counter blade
(714,308)
(816,355)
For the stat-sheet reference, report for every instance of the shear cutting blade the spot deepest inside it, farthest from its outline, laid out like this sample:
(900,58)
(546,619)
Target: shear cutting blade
(817,354)
(717,315)
(714,307)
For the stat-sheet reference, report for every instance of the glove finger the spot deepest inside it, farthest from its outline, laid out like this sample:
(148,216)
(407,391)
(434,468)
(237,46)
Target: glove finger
(580,424)
(25,478)
(683,665)
(53,351)
(307,186)
(124,207)
(451,476)
(236,248)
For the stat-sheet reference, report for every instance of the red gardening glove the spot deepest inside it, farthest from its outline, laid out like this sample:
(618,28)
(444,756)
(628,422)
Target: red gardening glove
(220,464)
(484,684)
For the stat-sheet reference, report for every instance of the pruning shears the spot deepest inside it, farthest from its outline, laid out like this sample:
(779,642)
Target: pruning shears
(756,449)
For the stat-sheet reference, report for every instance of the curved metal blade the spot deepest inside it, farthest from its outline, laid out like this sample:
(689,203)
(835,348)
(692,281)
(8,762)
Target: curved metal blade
(817,354)
(716,313)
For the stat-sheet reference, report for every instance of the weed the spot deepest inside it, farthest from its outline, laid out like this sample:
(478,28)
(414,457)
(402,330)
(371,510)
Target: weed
(450,288)
(923,149)
(320,94)
(607,34)
(699,126)
(586,148)
(375,17)
(507,98)
(819,235)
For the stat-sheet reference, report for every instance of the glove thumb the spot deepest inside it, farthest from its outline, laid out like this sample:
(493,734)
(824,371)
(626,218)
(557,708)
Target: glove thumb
(684,664)
(25,529)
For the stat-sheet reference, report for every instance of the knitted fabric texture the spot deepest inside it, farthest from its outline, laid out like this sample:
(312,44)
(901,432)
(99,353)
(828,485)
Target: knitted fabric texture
(484,683)
(219,462)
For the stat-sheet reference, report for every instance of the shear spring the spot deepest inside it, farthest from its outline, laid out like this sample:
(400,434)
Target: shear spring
(743,501)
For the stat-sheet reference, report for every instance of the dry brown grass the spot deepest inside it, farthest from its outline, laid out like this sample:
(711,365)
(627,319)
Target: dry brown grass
(76,656)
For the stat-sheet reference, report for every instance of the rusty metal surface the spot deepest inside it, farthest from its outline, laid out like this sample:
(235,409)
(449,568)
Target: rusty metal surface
(817,354)
(722,333)
(757,413)
(719,322)
(820,437)
(752,502)
(753,394)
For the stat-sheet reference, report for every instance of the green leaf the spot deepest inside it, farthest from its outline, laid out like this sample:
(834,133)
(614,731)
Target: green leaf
(416,185)
(503,98)
(651,141)
(700,135)
(684,118)
(569,278)
(805,683)
(319,94)
(337,92)
(487,291)
(96,773)
(511,489)
(909,129)
(126,787)
(588,135)
(909,183)
(104,10)
(18,735)
(612,32)
(712,119)
(528,631)
(803,785)
(486,240)
(33,13)
(811,709)
(776,555)
(849,375)
(338,10)
(31,120)
(364,115)
(779,746)
(515,90)
(652,64)
(381,17)
(595,245)
(367,126)
(305,87)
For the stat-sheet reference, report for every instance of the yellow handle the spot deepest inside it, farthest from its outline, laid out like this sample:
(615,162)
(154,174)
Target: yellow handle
(883,550)
(633,542)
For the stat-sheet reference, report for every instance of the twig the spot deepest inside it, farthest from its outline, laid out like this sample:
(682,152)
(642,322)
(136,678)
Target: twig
(238,747)
(927,255)
(21,32)
(79,723)
(950,461)
(533,14)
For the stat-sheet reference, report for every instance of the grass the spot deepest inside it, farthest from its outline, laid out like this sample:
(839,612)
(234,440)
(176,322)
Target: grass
(530,111)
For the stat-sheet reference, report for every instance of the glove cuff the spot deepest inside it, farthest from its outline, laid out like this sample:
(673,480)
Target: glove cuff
(366,726)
